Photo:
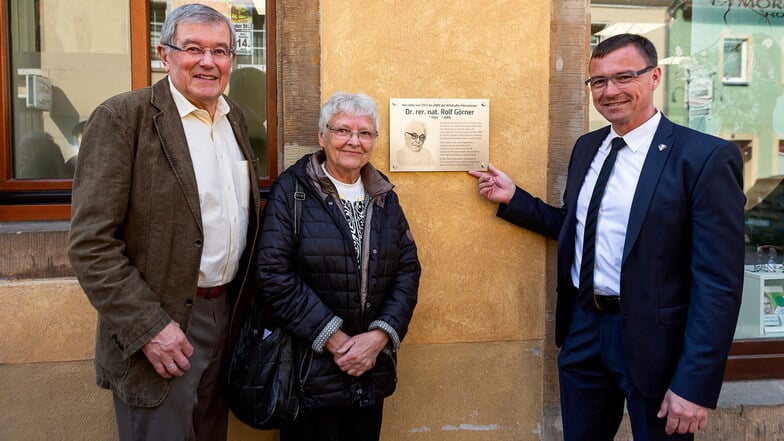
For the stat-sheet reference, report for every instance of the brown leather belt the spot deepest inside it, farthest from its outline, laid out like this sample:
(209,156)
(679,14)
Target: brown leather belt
(212,292)
(608,304)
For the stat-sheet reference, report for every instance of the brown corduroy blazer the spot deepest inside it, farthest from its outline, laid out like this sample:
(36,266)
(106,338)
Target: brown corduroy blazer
(136,232)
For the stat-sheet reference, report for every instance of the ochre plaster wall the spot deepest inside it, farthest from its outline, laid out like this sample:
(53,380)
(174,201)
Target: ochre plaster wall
(456,391)
(471,364)
(47,387)
(482,278)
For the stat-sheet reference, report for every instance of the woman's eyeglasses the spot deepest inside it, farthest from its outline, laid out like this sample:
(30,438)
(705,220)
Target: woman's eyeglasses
(342,134)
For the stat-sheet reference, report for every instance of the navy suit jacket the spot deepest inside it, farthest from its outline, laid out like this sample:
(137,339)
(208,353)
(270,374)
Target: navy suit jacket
(682,267)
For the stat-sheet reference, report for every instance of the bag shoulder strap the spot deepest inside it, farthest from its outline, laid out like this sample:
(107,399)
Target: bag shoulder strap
(299,196)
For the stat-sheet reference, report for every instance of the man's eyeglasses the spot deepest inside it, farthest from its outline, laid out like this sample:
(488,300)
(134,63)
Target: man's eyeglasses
(219,53)
(342,134)
(621,79)
(415,136)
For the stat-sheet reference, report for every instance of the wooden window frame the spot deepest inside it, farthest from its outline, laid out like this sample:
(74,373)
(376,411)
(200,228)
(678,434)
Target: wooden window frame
(755,359)
(42,199)
(50,199)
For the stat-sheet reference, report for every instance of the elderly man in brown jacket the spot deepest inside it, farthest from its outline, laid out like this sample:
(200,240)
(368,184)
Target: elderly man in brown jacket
(164,220)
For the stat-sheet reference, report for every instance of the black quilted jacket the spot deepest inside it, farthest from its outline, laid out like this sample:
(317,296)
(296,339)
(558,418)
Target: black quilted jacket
(308,286)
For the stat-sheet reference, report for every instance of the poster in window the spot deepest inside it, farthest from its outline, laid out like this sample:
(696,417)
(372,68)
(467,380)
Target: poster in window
(240,12)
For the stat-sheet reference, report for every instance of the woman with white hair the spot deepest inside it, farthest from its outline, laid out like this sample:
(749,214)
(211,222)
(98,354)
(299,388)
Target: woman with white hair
(347,287)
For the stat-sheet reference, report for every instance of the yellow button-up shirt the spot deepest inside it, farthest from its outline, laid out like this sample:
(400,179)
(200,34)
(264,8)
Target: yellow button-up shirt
(223,181)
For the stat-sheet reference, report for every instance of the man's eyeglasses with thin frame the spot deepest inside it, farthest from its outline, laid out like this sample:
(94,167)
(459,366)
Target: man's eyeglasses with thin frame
(343,134)
(415,136)
(621,79)
(219,53)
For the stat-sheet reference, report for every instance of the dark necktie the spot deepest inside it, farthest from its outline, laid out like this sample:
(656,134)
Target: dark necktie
(589,236)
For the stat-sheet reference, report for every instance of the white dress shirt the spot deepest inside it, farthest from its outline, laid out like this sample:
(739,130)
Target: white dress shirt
(615,206)
(223,181)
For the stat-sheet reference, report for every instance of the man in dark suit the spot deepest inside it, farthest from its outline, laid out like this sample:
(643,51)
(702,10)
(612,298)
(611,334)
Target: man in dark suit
(164,220)
(650,258)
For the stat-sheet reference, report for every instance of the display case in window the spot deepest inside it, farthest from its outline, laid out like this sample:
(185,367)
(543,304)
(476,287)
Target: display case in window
(762,308)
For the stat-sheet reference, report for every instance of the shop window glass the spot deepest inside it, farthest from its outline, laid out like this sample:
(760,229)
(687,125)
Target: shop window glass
(248,82)
(57,49)
(722,64)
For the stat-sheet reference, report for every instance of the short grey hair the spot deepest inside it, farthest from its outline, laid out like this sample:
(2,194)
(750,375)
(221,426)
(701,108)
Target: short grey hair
(354,104)
(194,13)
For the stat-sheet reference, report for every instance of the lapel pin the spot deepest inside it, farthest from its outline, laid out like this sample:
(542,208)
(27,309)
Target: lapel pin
(662,147)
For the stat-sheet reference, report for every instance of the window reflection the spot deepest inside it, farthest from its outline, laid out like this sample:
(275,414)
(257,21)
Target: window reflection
(735,60)
(39,157)
(722,63)
(248,85)
(58,48)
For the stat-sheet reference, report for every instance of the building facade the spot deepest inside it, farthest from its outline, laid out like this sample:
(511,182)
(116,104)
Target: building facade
(479,361)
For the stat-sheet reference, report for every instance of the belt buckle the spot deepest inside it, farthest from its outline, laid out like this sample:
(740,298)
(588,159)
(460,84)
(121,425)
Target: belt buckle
(608,304)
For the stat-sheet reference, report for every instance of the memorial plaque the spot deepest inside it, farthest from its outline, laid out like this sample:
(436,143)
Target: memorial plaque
(438,134)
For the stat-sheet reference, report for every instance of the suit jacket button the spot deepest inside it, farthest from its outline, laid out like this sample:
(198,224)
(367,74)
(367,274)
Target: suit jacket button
(189,302)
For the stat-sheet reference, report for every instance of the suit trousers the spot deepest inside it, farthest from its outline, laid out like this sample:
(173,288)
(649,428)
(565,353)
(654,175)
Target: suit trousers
(595,382)
(194,408)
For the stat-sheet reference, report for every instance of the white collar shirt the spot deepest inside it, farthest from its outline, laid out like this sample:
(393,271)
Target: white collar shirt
(223,181)
(615,207)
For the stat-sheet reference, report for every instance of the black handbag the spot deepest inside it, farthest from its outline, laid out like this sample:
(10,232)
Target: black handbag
(262,384)
(262,389)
